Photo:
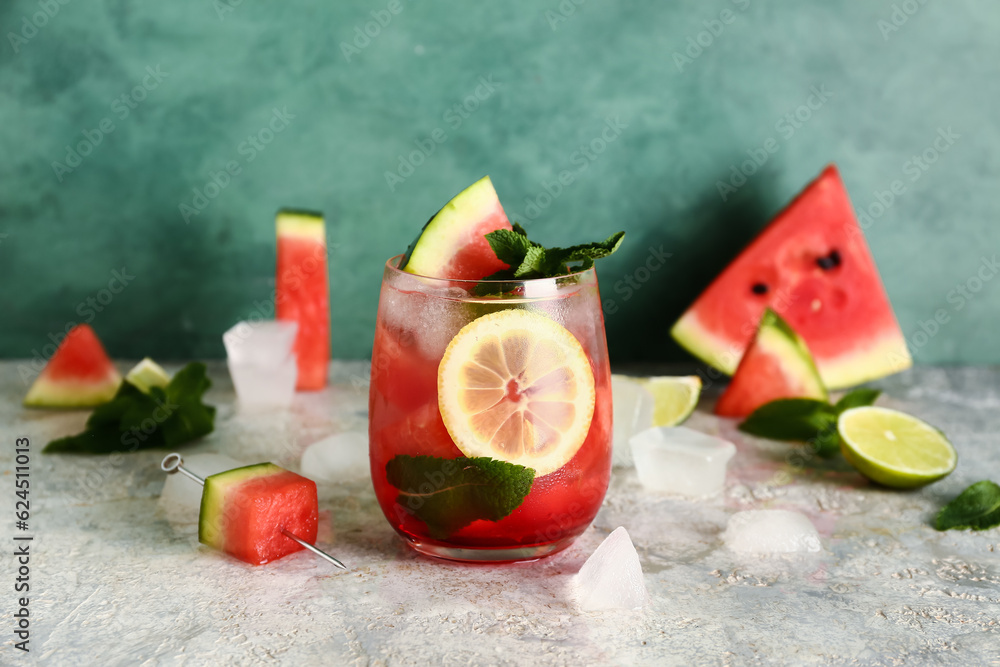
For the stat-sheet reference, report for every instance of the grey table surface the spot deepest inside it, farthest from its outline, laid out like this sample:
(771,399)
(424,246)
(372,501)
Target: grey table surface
(113,582)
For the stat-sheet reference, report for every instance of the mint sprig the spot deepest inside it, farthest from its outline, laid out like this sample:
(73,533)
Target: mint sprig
(806,420)
(164,417)
(978,508)
(528,260)
(449,494)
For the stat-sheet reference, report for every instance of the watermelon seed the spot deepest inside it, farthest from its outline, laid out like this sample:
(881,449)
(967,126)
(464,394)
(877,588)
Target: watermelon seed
(830,261)
(172,463)
(759,288)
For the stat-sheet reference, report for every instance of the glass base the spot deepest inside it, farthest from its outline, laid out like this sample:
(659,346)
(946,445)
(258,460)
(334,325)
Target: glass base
(489,554)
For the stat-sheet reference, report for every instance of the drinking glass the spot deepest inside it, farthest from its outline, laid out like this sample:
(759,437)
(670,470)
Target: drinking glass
(514,372)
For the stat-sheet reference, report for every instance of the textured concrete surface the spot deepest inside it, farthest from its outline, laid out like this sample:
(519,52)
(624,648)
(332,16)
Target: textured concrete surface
(114,583)
(561,69)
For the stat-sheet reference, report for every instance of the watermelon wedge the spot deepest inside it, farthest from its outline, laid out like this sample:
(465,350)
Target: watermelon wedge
(453,243)
(812,266)
(303,292)
(777,364)
(79,374)
(244,510)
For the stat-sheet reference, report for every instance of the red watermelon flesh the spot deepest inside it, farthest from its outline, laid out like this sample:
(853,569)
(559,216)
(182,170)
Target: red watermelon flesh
(78,375)
(777,364)
(453,243)
(811,265)
(303,292)
(243,512)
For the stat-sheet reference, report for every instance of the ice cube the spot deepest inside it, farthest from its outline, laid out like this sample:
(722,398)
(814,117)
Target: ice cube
(339,458)
(266,343)
(264,386)
(180,500)
(770,532)
(633,412)
(675,459)
(612,576)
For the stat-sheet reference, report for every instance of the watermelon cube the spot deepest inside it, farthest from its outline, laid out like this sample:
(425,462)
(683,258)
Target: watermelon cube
(243,512)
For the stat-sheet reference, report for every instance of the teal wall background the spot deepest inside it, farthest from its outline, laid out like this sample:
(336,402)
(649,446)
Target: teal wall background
(558,72)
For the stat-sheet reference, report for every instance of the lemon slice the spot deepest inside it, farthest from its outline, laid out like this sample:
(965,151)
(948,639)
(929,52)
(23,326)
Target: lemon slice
(675,398)
(518,387)
(893,448)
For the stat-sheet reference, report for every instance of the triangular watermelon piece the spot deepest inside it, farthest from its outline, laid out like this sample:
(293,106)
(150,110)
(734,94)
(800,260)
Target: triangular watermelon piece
(777,364)
(79,374)
(811,265)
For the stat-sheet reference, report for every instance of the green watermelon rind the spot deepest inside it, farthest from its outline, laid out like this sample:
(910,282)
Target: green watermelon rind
(212,522)
(71,395)
(440,236)
(788,346)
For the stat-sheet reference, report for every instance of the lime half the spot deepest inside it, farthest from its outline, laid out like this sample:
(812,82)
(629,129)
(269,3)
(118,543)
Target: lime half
(674,398)
(893,448)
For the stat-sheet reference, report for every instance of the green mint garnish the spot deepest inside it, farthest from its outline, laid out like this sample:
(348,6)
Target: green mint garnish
(165,417)
(806,420)
(449,494)
(528,259)
(978,508)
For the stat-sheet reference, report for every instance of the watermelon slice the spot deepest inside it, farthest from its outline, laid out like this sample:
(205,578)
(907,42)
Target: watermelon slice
(453,243)
(303,292)
(811,265)
(777,364)
(244,510)
(79,374)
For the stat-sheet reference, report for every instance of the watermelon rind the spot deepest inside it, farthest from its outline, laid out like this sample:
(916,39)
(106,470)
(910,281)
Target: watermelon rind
(147,374)
(776,337)
(67,394)
(301,223)
(445,233)
(212,522)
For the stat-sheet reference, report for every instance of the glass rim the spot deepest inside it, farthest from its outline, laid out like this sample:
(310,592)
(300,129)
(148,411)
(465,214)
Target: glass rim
(393,262)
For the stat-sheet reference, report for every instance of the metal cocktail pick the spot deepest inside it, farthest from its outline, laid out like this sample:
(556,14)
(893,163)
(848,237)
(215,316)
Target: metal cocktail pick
(175,463)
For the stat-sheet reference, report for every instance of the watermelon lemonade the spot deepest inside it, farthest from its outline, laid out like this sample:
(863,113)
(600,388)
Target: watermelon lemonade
(521,380)
(490,400)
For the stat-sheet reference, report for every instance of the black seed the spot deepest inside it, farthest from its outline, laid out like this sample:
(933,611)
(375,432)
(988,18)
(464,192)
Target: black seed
(830,261)
(759,288)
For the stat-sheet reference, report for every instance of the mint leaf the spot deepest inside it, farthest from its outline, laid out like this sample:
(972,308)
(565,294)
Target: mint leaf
(510,247)
(165,417)
(528,260)
(789,419)
(978,508)
(449,494)
(856,399)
